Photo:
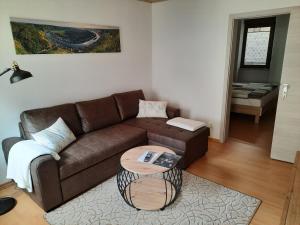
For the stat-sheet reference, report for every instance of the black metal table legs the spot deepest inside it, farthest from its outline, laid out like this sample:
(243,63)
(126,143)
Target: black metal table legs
(172,180)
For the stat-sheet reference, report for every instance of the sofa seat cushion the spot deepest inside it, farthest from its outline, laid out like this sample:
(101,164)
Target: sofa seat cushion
(167,135)
(97,146)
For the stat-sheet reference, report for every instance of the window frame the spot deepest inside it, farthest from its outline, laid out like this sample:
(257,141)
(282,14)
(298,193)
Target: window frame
(254,23)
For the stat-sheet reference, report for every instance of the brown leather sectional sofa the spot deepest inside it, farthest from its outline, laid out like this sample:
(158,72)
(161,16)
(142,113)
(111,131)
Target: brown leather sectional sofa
(105,128)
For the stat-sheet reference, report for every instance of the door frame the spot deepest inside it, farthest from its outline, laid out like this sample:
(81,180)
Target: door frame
(230,60)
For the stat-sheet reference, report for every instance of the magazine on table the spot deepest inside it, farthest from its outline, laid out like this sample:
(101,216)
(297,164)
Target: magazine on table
(164,159)
(148,157)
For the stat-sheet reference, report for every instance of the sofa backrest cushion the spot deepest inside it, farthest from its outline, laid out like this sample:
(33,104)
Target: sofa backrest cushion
(128,103)
(99,113)
(39,119)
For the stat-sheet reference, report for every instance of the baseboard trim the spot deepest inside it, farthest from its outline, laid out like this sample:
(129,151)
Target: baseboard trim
(6,185)
(215,140)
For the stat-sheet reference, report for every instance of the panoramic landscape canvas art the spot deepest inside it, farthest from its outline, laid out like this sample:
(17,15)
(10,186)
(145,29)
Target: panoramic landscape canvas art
(49,37)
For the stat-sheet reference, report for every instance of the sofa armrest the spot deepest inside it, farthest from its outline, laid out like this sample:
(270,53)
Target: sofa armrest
(46,182)
(45,177)
(172,112)
(7,145)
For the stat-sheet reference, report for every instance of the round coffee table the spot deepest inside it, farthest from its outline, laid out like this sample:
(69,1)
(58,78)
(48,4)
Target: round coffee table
(147,186)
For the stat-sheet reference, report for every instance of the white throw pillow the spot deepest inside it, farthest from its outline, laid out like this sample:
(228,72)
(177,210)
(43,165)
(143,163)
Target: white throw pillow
(56,137)
(152,109)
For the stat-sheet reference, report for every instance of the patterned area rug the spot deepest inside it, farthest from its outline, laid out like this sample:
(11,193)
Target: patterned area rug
(201,202)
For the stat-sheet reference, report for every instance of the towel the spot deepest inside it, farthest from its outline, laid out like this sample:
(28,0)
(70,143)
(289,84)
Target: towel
(187,124)
(19,159)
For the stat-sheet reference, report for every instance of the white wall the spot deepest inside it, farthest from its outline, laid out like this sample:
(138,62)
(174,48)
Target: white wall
(257,75)
(189,40)
(73,77)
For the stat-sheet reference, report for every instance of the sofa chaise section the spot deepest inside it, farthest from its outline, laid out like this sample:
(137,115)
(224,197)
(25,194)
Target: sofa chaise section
(190,145)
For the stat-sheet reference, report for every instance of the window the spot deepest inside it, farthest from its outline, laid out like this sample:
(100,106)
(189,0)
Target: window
(258,43)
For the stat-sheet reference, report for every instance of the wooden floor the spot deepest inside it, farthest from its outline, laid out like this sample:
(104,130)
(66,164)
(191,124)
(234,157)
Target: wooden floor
(243,128)
(240,166)
(248,169)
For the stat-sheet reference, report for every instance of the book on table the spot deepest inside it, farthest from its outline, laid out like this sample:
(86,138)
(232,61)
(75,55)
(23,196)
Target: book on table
(164,159)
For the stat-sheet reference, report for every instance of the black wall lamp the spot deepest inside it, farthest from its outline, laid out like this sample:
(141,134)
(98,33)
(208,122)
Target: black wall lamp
(8,203)
(18,74)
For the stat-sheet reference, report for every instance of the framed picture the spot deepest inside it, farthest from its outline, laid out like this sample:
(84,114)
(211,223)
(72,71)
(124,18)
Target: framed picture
(50,37)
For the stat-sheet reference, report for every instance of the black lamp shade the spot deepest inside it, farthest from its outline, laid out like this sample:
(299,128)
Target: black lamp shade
(19,75)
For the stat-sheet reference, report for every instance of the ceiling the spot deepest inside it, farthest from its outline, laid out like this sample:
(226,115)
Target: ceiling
(152,1)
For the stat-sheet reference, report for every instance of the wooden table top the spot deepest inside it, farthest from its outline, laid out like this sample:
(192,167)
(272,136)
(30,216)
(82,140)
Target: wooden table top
(129,160)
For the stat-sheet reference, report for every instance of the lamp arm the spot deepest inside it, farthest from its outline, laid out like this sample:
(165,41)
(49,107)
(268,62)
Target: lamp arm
(5,71)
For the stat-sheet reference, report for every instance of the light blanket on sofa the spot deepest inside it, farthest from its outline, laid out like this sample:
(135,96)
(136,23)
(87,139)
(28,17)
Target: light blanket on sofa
(19,159)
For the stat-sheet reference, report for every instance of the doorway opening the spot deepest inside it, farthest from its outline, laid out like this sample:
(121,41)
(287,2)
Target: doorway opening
(257,59)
